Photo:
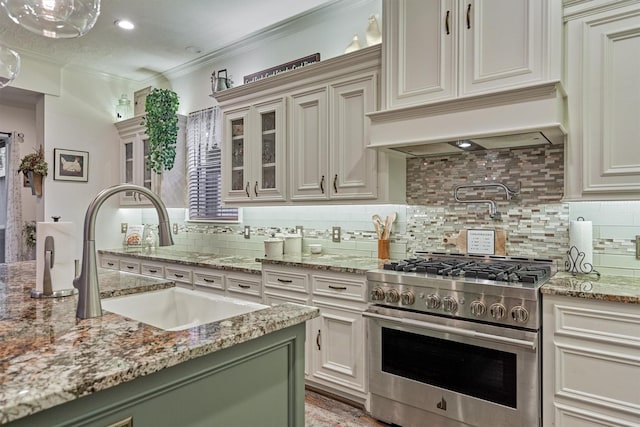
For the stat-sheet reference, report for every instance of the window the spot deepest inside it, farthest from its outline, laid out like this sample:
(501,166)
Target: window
(204,167)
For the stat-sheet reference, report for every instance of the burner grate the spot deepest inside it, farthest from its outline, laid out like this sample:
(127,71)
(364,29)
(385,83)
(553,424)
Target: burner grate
(488,270)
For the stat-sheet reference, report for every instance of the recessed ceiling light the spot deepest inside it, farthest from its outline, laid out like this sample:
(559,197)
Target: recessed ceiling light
(124,24)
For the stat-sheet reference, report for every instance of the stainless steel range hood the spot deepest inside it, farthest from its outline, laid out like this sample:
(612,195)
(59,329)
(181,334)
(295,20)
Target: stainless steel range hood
(526,116)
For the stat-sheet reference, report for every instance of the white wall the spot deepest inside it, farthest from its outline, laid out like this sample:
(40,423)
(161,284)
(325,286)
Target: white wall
(327,31)
(82,119)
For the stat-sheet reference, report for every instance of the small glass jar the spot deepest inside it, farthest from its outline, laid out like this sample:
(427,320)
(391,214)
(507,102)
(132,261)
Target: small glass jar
(123,109)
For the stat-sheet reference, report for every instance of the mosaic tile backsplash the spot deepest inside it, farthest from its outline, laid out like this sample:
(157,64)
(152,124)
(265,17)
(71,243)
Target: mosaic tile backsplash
(536,222)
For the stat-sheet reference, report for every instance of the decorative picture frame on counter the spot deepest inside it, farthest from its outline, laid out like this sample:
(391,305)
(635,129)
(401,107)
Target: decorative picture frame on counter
(70,165)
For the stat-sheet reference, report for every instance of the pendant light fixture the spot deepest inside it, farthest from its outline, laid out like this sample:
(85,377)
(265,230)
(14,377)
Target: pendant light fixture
(9,65)
(58,19)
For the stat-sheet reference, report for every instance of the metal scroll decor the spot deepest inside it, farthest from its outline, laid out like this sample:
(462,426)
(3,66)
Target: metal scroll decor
(575,263)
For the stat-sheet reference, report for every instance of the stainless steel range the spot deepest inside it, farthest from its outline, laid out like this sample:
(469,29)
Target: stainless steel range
(454,340)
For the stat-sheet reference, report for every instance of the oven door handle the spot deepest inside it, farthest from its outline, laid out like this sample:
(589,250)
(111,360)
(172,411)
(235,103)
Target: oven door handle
(456,331)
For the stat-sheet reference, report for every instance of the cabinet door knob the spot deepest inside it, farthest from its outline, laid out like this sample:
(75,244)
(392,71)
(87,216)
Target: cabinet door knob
(446,22)
(469,16)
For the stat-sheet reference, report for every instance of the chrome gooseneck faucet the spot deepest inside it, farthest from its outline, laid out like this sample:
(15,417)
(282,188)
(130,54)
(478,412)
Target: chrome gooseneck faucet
(87,281)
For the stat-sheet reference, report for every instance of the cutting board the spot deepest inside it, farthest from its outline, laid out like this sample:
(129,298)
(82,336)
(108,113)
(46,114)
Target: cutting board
(461,240)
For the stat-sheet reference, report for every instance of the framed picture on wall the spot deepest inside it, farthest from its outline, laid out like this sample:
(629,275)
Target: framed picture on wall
(70,165)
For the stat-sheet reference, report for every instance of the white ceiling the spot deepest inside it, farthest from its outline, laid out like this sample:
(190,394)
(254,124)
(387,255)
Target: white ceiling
(164,30)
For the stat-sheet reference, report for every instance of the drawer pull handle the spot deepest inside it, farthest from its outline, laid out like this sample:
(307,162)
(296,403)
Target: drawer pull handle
(179,276)
(322,184)
(110,264)
(244,286)
(153,271)
(130,267)
(446,23)
(335,183)
(209,280)
(285,280)
(318,343)
(469,16)
(246,189)
(255,189)
(338,288)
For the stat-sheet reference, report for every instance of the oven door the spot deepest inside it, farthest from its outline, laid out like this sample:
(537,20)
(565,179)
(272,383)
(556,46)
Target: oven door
(436,371)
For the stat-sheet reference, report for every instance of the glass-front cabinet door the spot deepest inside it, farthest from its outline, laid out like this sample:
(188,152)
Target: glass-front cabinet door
(129,168)
(134,170)
(254,153)
(236,155)
(269,163)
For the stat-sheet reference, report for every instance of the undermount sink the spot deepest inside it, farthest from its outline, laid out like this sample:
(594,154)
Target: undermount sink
(176,309)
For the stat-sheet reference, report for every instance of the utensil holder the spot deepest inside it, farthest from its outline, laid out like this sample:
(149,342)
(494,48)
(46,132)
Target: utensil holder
(383,249)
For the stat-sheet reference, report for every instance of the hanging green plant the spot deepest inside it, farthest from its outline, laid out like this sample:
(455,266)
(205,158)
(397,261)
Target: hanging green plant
(161,120)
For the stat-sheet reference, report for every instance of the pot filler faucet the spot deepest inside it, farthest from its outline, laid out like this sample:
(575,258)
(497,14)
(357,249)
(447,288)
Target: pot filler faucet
(87,281)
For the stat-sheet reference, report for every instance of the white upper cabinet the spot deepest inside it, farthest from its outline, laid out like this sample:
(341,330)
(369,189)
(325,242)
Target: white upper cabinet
(502,44)
(316,120)
(353,167)
(437,50)
(329,134)
(254,152)
(420,51)
(603,77)
(309,150)
(134,148)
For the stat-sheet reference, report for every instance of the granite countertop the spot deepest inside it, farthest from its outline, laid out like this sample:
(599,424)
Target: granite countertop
(606,288)
(48,357)
(239,263)
(333,262)
(329,262)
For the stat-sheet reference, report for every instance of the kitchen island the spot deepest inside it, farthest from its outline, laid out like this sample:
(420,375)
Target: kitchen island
(57,370)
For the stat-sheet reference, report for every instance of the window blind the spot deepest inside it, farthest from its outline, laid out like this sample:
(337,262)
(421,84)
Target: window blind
(204,167)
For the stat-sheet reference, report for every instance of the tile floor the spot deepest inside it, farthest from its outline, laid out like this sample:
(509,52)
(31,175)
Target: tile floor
(322,411)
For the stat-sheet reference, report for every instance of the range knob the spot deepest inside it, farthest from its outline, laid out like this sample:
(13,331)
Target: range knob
(433,301)
(497,311)
(478,308)
(377,294)
(519,314)
(449,304)
(407,298)
(393,295)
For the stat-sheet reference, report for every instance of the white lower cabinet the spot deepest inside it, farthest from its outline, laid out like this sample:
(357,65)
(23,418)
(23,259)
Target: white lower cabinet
(338,347)
(181,275)
(153,269)
(335,346)
(109,262)
(241,285)
(209,281)
(244,286)
(591,363)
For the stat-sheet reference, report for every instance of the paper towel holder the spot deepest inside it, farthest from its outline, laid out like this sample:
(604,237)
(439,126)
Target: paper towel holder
(575,261)
(47,292)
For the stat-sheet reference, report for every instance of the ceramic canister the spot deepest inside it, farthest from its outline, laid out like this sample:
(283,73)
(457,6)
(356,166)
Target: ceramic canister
(293,244)
(273,247)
